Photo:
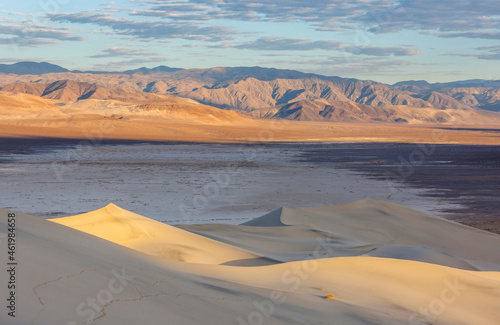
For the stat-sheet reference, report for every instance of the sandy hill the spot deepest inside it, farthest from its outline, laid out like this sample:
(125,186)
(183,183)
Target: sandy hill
(385,223)
(344,266)
(152,237)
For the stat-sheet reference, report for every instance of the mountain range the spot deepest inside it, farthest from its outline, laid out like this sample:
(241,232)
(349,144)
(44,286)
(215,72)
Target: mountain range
(264,92)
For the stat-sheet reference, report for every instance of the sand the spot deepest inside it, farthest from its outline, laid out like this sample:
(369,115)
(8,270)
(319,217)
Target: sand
(366,262)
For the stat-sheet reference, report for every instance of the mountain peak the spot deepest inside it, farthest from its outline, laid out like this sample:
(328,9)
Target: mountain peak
(31,68)
(417,83)
(160,68)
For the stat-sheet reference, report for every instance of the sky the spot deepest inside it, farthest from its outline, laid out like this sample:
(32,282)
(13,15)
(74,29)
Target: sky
(382,40)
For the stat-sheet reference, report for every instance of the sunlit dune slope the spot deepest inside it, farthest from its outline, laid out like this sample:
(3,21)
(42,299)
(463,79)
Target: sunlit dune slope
(152,237)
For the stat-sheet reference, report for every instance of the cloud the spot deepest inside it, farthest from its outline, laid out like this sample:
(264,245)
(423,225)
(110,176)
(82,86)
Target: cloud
(179,10)
(287,44)
(24,41)
(489,56)
(296,44)
(345,66)
(488,48)
(488,53)
(464,17)
(491,35)
(382,51)
(29,34)
(122,52)
(13,13)
(29,29)
(279,10)
(492,53)
(193,20)
(149,29)
(447,18)
(103,32)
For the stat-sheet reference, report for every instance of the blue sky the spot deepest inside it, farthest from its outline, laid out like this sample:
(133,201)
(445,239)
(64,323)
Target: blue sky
(382,40)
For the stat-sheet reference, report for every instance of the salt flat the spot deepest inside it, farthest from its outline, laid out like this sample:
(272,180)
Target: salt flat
(192,183)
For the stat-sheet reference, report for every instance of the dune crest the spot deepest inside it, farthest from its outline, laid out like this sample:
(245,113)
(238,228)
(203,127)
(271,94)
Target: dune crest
(134,231)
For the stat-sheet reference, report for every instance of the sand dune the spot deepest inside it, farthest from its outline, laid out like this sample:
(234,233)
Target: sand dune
(152,237)
(366,227)
(68,275)
(381,223)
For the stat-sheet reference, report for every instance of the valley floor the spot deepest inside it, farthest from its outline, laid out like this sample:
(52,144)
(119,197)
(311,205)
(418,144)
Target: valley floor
(98,128)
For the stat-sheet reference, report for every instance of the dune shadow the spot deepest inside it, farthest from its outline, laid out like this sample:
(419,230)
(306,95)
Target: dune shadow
(257,261)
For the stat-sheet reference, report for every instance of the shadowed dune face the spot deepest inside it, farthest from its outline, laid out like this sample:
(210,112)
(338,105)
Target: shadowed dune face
(330,270)
(366,227)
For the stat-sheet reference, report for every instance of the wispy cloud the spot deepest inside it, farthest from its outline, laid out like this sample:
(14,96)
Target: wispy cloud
(345,66)
(29,34)
(382,51)
(296,44)
(31,30)
(25,42)
(492,53)
(487,53)
(123,52)
(195,20)
(491,35)
(448,18)
(285,44)
(463,17)
(13,13)
(148,29)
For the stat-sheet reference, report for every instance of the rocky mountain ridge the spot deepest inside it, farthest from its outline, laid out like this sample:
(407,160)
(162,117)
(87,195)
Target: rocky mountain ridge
(278,93)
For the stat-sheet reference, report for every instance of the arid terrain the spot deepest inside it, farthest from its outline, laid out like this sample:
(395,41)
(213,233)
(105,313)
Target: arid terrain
(177,119)
(243,105)
(346,175)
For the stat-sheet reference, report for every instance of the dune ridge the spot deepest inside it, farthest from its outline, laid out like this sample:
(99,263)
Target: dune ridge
(152,237)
